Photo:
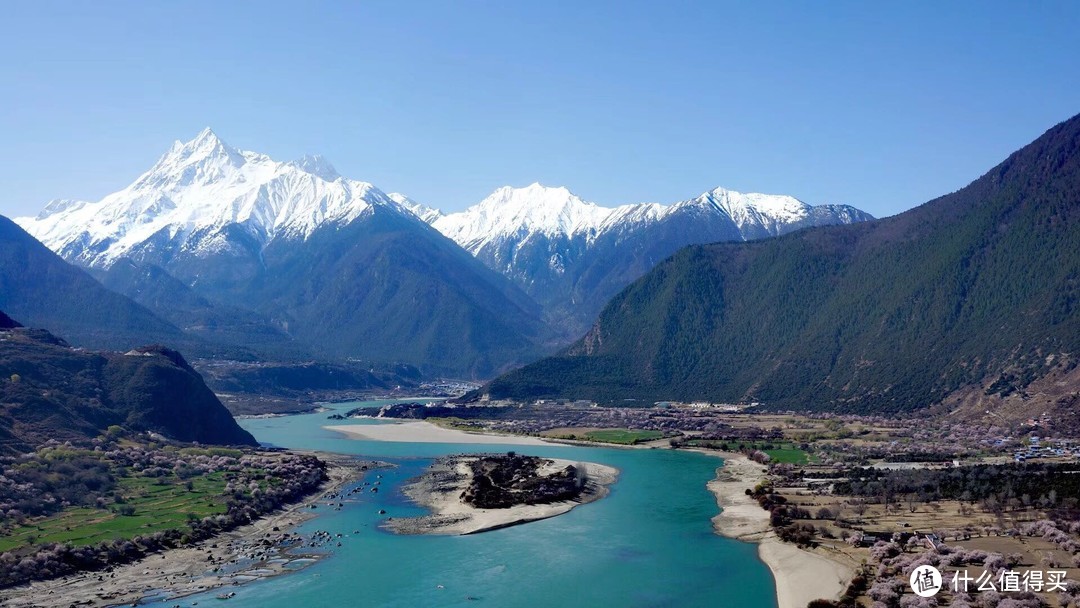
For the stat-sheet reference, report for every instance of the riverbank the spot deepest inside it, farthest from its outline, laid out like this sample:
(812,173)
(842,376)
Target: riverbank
(441,487)
(801,576)
(419,431)
(262,549)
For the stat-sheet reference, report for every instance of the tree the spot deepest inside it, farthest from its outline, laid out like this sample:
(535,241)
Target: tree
(860,507)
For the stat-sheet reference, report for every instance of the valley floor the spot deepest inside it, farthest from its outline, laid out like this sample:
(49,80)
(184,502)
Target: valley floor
(801,576)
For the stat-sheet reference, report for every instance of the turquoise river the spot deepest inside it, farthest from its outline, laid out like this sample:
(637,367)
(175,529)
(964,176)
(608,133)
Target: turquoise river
(649,543)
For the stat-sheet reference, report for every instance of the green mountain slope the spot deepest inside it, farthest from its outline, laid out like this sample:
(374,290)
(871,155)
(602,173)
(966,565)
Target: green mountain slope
(390,288)
(49,390)
(977,292)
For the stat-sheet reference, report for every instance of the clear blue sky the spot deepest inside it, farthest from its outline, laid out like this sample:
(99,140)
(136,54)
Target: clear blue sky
(880,105)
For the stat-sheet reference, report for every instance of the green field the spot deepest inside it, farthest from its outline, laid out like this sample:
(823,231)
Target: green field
(158,506)
(622,436)
(790,455)
(781,452)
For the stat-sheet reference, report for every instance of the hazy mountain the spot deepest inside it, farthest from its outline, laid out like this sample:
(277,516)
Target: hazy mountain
(572,255)
(197,315)
(42,290)
(971,299)
(49,390)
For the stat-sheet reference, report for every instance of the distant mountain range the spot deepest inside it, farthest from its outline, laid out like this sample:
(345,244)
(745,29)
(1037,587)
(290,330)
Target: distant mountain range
(49,390)
(970,301)
(235,247)
(292,260)
(572,256)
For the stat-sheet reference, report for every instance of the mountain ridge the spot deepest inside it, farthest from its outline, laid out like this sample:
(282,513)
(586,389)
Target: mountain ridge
(283,257)
(197,190)
(200,236)
(969,298)
(41,289)
(572,255)
(50,390)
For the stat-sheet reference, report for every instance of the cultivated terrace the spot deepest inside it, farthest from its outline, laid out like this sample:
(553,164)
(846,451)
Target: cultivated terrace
(67,508)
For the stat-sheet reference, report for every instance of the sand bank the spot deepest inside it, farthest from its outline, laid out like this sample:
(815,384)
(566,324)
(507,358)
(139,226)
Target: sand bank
(241,555)
(418,431)
(801,576)
(440,489)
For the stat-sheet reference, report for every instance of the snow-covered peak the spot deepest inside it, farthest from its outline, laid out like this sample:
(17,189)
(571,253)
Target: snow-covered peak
(59,205)
(205,145)
(516,214)
(420,210)
(316,164)
(752,208)
(534,208)
(200,187)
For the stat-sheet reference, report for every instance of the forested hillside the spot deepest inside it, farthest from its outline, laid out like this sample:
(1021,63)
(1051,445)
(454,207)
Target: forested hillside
(976,291)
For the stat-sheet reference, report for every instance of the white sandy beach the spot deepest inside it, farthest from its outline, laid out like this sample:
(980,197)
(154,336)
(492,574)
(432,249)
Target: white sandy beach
(801,576)
(418,431)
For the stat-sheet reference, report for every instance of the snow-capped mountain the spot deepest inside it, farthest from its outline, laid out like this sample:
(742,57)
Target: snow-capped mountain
(211,233)
(510,213)
(196,197)
(420,210)
(572,255)
(338,264)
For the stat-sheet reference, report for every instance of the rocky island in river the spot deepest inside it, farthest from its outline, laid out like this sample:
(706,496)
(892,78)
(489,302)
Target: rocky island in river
(475,493)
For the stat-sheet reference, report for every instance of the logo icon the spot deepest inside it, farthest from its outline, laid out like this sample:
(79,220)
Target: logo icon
(925,581)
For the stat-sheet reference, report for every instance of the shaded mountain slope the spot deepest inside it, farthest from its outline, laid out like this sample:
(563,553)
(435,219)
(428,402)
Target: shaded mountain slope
(49,390)
(42,290)
(391,288)
(198,316)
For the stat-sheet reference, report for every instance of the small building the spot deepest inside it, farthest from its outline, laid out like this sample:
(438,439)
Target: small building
(933,542)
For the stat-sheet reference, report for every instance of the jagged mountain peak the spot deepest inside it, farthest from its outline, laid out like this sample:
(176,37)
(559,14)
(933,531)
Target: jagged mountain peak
(553,211)
(195,193)
(428,214)
(317,165)
(202,160)
(571,255)
(205,144)
(59,205)
(556,211)
(751,207)
(537,205)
